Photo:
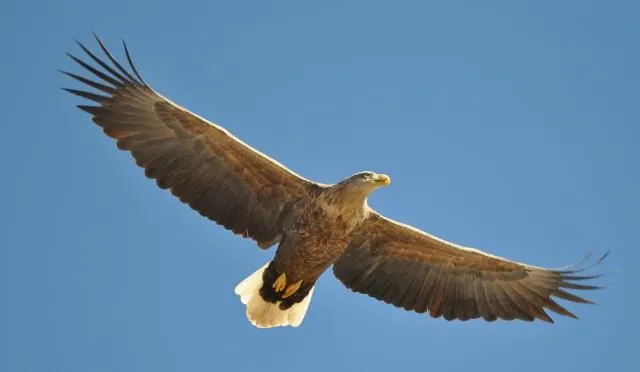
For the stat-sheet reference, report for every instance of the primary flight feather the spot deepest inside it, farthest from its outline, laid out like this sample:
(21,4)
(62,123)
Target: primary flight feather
(314,225)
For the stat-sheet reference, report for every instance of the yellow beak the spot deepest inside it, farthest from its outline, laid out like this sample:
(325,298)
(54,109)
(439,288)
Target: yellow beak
(383,179)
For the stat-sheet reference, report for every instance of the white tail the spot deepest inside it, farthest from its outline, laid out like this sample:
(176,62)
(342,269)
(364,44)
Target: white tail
(263,314)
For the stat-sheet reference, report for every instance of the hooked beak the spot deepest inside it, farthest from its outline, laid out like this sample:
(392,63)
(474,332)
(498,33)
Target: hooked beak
(382,179)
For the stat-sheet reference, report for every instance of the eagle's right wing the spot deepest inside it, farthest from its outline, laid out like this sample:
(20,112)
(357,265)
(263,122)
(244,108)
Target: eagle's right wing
(201,163)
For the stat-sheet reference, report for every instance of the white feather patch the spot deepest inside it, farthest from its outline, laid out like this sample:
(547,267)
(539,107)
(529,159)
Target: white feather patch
(263,314)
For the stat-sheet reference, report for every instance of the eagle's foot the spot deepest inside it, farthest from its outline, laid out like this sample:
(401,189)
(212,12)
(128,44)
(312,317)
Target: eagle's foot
(293,288)
(280,283)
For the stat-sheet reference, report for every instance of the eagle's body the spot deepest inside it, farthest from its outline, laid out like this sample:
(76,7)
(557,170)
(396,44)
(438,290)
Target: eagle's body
(316,232)
(319,232)
(314,226)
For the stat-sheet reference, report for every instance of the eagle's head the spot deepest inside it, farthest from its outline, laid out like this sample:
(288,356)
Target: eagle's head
(369,180)
(353,191)
(364,183)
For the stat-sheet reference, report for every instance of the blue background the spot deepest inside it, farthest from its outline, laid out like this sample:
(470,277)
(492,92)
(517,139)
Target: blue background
(510,126)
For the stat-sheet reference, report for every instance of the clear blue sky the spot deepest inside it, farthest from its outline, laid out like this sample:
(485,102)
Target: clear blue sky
(510,126)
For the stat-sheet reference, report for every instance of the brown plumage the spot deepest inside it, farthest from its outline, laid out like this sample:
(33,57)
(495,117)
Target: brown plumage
(416,271)
(314,225)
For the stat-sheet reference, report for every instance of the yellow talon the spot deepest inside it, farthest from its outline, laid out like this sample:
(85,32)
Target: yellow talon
(280,283)
(292,289)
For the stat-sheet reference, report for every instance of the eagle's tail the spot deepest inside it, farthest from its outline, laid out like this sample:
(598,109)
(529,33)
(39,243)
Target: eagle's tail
(264,314)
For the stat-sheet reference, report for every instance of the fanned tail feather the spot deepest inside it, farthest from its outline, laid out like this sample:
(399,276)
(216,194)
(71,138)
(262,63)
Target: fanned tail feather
(263,314)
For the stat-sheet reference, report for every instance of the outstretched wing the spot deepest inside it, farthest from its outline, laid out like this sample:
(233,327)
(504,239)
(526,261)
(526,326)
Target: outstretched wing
(201,163)
(411,269)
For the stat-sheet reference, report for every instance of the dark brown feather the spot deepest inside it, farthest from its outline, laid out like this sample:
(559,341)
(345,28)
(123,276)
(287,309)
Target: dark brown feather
(202,164)
(451,281)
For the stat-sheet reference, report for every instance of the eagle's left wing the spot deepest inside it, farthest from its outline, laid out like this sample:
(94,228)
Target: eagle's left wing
(411,269)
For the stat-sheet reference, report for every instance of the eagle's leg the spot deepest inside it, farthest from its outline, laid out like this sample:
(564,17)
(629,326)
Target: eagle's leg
(280,283)
(291,289)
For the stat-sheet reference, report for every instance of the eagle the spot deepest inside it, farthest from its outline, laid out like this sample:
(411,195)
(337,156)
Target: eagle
(315,226)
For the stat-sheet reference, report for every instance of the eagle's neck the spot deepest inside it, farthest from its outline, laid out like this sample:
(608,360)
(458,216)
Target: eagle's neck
(349,203)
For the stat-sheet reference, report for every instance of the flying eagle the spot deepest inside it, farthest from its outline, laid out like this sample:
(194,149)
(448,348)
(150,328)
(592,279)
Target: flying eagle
(314,225)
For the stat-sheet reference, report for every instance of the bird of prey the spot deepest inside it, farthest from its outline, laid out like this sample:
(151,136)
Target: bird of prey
(314,226)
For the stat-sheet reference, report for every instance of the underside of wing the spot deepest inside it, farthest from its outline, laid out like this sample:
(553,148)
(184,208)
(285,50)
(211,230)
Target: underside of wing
(200,162)
(411,269)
